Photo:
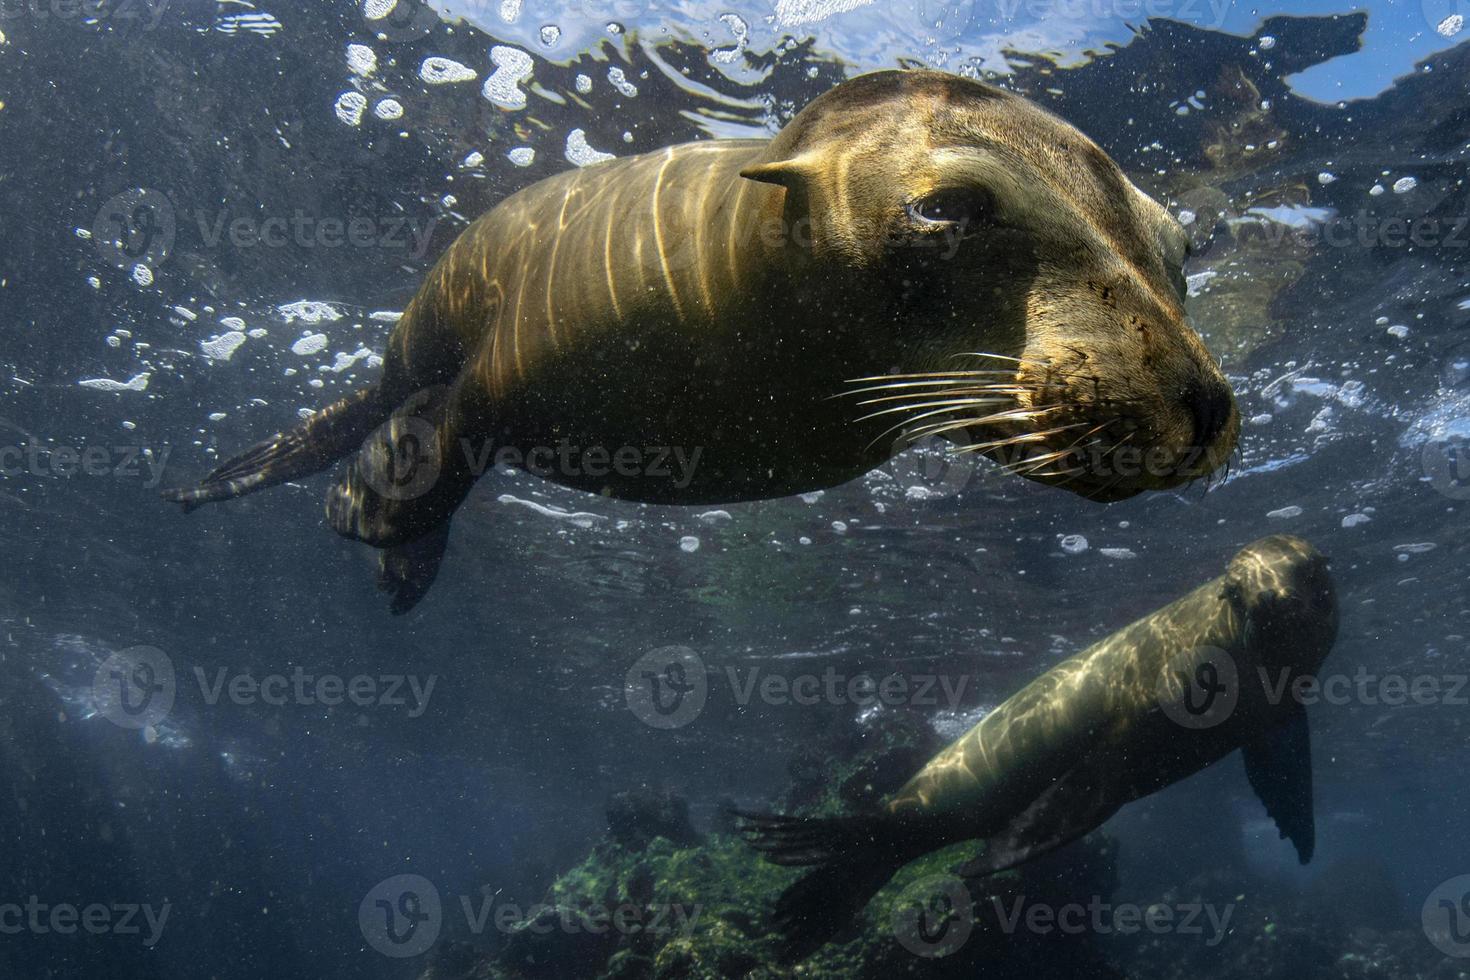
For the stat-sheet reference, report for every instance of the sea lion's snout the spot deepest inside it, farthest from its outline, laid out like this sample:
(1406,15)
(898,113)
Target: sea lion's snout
(1212,405)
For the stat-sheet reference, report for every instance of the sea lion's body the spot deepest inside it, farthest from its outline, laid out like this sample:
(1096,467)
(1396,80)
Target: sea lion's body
(1124,718)
(650,302)
(913,254)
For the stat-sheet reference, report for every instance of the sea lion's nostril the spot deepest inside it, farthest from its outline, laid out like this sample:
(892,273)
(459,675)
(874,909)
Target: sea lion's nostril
(1210,403)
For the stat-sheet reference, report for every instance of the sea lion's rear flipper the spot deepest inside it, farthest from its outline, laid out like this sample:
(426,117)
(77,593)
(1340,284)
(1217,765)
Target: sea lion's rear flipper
(408,478)
(852,858)
(310,447)
(1279,767)
(1069,808)
(407,570)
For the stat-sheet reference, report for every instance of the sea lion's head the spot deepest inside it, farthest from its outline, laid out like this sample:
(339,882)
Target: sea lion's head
(1287,600)
(1038,292)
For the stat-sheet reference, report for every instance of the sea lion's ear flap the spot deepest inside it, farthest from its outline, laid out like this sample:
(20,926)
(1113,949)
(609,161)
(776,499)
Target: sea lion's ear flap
(790,174)
(1279,767)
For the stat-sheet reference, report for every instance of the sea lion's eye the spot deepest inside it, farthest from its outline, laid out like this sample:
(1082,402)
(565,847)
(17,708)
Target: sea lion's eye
(955,206)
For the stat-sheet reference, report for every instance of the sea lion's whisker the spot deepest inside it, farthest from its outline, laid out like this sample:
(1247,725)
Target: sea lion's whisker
(1024,438)
(929,387)
(982,395)
(955,375)
(948,404)
(938,428)
(950,425)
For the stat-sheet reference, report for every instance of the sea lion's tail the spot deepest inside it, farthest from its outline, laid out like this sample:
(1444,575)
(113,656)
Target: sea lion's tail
(853,857)
(310,447)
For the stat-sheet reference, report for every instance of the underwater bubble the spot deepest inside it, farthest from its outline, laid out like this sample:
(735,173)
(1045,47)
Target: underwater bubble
(510,10)
(521,156)
(473,160)
(138,382)
(361,59)
(311,343)
(584,84)
(550,34)
(1404,184)
(1398,330)
(1267,42)
(1285,513)
(142,275)
(443,71)
(1074,544)
(689,544)
(1325,178)
(1117,553)
(620,82)
(580,153)
(512,66)
(388,109)
(309,310)
(1376,190)
(1450,26)
(223,347)
(350,107)
(1353,520)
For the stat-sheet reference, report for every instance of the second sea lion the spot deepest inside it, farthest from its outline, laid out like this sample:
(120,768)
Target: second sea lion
(914,254)
(1147,706)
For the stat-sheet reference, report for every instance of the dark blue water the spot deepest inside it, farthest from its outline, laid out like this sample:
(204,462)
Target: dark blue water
(261,818)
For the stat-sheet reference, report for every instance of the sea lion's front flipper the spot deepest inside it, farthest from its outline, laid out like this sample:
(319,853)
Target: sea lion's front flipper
(1279,767)
(407,570)
(1069,808)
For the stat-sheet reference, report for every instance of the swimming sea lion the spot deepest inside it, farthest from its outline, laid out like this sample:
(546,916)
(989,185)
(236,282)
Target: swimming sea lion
(1147,706)
(915,253)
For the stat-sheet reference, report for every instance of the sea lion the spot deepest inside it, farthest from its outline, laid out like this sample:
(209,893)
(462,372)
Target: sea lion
(1147,706)
(914,253)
